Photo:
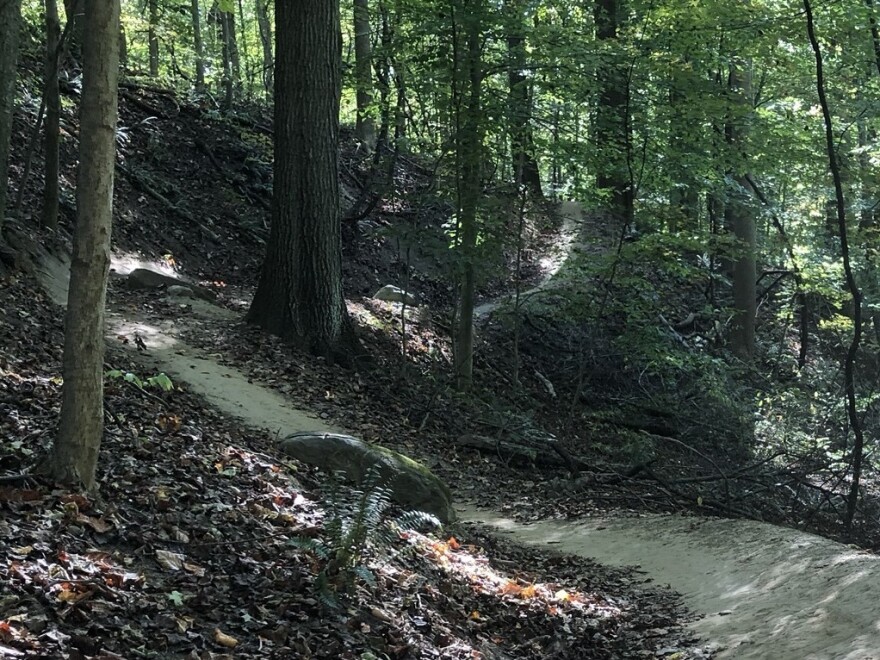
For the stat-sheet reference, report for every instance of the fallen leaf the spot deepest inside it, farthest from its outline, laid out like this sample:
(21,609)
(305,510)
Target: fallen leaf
(224,640)
(173,561)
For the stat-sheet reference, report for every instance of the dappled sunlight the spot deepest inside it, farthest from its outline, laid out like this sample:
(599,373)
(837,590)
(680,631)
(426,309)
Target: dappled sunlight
(755,582)
(469,563)
(123,263)
(153,336)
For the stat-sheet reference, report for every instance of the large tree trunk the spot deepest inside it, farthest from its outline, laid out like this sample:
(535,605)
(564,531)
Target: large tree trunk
(153,37)
(363,64)
(74,457)
(299,296)
(612,131)
(53,115)
(525,166)
(198,45)
(265,26)
(740,221)
(470,140)
(10,12)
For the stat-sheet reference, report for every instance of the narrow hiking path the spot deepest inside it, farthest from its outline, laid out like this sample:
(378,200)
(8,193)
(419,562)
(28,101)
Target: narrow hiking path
(571,215)
(762,591)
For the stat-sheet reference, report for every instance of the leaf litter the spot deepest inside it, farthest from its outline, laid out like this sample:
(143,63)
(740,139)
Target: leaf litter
(186,553)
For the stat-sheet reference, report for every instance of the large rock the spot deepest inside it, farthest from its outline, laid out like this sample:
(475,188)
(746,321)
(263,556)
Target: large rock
(144,278)
(392,293)
(412,485)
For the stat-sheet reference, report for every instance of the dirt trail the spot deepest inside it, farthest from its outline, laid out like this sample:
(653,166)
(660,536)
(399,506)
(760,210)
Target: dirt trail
(765,592)
(224,387)
(572,217)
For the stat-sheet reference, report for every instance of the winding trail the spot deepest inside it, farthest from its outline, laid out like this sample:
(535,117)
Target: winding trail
(572,220)
(764,592)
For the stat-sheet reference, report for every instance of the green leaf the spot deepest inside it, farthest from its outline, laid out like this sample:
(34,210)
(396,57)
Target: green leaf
(162,381)
(176,597)
(132,378)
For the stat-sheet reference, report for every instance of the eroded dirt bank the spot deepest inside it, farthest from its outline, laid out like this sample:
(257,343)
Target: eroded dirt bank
(765,591)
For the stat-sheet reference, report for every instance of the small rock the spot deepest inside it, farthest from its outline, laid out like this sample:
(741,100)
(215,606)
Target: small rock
(392,293)
(179,291)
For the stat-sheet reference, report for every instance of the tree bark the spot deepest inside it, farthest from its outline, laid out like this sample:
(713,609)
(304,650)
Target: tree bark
(299,296)
(231,66)
(74,456)
(198,45)
(74,12)
(612,131)
(265,26)
(363,64)
(10,14)
(153,37)
(740,221)
(849,379)
(53,116)
(525,166)
(469,145)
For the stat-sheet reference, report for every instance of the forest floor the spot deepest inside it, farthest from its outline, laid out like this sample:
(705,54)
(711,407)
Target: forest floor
(759,590)
(186,554)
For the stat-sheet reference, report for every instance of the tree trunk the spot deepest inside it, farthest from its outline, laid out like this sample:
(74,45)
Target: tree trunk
(234,54)
(740,221)
(10,14)
(123,48)
(153,37)
(198,45)
(74,10)
(849,364)
(612,131)
(299,297)
(265,26)
(74,456)
(230,59)
(684,197)
(522,148)
(469,145)
(53,115)
(363,64)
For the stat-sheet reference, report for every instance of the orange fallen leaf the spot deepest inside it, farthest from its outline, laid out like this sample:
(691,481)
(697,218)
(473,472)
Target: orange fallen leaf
(453,543)
(528,592)
(511,588)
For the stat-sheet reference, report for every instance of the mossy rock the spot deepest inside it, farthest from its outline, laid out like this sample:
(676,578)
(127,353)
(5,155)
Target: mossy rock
(411,484)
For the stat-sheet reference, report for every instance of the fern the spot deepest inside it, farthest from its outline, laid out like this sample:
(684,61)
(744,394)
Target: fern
(357,522)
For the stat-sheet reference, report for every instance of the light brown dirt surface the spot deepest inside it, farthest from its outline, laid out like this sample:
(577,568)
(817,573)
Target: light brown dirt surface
(764,591)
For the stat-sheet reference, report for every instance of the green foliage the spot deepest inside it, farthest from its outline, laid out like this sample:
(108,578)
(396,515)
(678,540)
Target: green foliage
(160,380)
(359,523)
